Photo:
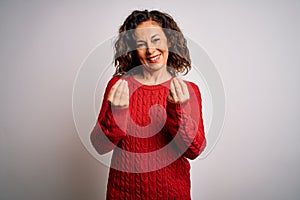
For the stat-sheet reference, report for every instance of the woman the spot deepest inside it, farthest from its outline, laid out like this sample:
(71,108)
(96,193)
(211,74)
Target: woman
(150,118)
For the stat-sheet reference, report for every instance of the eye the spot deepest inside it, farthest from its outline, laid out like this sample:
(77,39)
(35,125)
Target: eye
(156,39)
(140,45)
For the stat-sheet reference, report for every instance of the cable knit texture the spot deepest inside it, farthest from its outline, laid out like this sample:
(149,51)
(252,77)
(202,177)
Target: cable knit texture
(150,123)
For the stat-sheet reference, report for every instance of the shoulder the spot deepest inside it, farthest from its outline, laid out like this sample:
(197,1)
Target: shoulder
(112,81)
(191,85)
(193,88)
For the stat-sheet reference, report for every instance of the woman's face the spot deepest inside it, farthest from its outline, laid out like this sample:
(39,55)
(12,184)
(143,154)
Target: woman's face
(151,46)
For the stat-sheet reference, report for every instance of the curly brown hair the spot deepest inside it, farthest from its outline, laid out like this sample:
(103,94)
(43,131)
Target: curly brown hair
(126,59)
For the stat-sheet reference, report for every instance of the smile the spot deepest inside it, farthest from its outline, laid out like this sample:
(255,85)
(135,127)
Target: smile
(154,59)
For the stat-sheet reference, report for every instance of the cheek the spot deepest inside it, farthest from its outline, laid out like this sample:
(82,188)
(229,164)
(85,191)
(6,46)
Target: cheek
(164,46)
(140,55)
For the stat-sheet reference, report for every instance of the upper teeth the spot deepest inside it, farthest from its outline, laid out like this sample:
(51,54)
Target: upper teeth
(154,57)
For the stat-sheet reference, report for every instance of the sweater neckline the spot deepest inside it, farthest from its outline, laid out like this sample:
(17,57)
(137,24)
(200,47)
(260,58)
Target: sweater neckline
(151,87)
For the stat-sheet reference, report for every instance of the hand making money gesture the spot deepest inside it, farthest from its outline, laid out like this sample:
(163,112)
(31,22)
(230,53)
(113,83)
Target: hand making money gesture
(178,91)
(119,94)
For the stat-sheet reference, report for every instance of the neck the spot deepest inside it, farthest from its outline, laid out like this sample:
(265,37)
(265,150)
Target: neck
(153,77)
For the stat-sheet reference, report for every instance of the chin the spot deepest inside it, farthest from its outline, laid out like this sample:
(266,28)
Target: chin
(156,66)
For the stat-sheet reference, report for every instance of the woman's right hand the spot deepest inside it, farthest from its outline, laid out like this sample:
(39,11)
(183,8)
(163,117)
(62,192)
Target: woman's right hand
(119,94)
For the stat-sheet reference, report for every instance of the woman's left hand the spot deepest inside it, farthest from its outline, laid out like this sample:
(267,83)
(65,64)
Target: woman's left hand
(178,91)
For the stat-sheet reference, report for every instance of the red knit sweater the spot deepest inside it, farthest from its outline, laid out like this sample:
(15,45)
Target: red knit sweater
(151,145)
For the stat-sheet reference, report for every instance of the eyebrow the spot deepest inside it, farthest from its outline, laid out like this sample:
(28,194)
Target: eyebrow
(154,36)
(151,38)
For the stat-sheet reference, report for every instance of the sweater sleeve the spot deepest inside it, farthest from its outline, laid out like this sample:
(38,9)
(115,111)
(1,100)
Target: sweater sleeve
(111,124)
(186,120)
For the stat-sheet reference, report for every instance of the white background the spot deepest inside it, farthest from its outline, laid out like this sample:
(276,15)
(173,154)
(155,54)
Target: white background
(254,45)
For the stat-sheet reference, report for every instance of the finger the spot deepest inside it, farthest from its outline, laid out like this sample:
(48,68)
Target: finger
(127,92)
(184,89)
(178,90)
(112,91)
(124,98)
(173,92)
(118,93)
(170,97)
(182,85)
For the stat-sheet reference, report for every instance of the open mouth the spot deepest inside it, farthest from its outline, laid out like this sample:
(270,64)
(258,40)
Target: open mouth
(154,59)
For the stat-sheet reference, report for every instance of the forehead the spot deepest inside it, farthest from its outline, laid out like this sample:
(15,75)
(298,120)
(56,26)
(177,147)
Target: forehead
(148,29)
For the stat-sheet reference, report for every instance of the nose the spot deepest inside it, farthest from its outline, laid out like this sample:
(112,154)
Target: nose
(150,48)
